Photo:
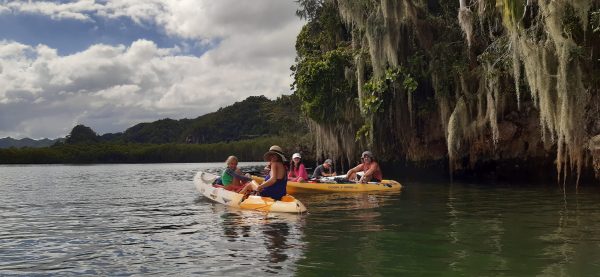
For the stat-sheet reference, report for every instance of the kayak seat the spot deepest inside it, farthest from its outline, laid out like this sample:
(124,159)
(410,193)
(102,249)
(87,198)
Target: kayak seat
(287,198)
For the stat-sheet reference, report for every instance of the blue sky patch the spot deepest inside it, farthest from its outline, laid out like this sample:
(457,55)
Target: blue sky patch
(70,36)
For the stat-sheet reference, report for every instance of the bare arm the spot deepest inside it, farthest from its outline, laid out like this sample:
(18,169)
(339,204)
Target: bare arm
(238,174)
(354,170)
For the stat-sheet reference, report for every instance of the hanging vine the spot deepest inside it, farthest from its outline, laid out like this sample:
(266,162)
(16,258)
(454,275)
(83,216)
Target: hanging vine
(492,65)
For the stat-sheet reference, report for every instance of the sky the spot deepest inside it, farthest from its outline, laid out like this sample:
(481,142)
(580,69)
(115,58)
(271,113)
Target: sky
(110,64)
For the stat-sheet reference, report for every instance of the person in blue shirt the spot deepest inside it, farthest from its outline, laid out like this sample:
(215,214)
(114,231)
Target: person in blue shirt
(275,184)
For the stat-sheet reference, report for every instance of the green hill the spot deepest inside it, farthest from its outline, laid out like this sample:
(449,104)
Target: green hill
(244,129)
(256,116)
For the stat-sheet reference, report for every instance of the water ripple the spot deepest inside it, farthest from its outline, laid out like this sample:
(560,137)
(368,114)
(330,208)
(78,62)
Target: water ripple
(123,220)
(132,220)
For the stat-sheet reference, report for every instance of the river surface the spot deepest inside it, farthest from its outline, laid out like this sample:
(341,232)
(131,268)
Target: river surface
(148,219)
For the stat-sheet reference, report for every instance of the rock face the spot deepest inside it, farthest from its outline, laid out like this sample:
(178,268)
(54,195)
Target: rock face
(595,149)
(494,83)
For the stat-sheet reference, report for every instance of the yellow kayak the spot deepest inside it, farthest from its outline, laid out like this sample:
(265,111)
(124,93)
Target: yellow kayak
(384,185)
(288,204)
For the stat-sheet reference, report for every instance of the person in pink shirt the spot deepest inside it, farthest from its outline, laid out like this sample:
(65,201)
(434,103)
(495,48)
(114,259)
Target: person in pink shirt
(297,170)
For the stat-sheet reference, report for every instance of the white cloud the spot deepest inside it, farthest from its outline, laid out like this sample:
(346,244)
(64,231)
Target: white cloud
(195,19)
(77,10)
(112,87)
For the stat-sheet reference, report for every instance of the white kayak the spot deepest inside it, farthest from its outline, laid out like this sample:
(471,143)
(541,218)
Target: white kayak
(288,204)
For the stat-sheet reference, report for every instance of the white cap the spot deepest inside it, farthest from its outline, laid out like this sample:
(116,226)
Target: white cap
(296,155)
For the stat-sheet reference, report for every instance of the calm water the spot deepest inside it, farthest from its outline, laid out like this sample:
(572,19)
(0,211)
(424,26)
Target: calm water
(149,220)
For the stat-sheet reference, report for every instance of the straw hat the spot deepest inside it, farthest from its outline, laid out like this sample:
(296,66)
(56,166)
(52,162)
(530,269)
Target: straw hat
(274,150)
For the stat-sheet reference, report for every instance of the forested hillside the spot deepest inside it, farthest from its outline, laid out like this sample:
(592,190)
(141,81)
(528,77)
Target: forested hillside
(256,116)
(246,129)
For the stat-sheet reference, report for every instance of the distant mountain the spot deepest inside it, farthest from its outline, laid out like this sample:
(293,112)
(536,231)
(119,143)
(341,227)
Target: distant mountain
(27,142)
(256,116)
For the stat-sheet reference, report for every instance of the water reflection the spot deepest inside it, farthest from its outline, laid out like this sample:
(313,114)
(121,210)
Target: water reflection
(346,201)
(474,218)
(567,247)
(149,220)
(263,242)
(276,240)
(233,226)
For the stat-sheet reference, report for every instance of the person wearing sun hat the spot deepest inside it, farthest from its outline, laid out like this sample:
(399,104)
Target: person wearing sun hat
(370,166)
(275,183)
(324,170)
(297,169)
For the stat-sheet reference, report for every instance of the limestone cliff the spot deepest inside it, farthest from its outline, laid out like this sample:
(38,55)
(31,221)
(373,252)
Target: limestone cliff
(470,82)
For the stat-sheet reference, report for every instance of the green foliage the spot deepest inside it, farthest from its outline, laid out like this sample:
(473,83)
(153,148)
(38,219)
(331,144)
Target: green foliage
(375,93)
(363,132)
(377,87)
(308,8)
(245,129)
(409,83)
(81,134)
(254,117)
(322,34)
(246,150)
(323,58)
(321,85)
(245,119)
(161,131)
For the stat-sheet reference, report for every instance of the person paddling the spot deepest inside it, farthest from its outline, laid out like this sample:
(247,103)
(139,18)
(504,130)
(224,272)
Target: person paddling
(372,172)
(275,183)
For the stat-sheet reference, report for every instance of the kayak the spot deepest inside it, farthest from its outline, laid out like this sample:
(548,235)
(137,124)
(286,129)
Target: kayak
(330,185)
(288,204)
